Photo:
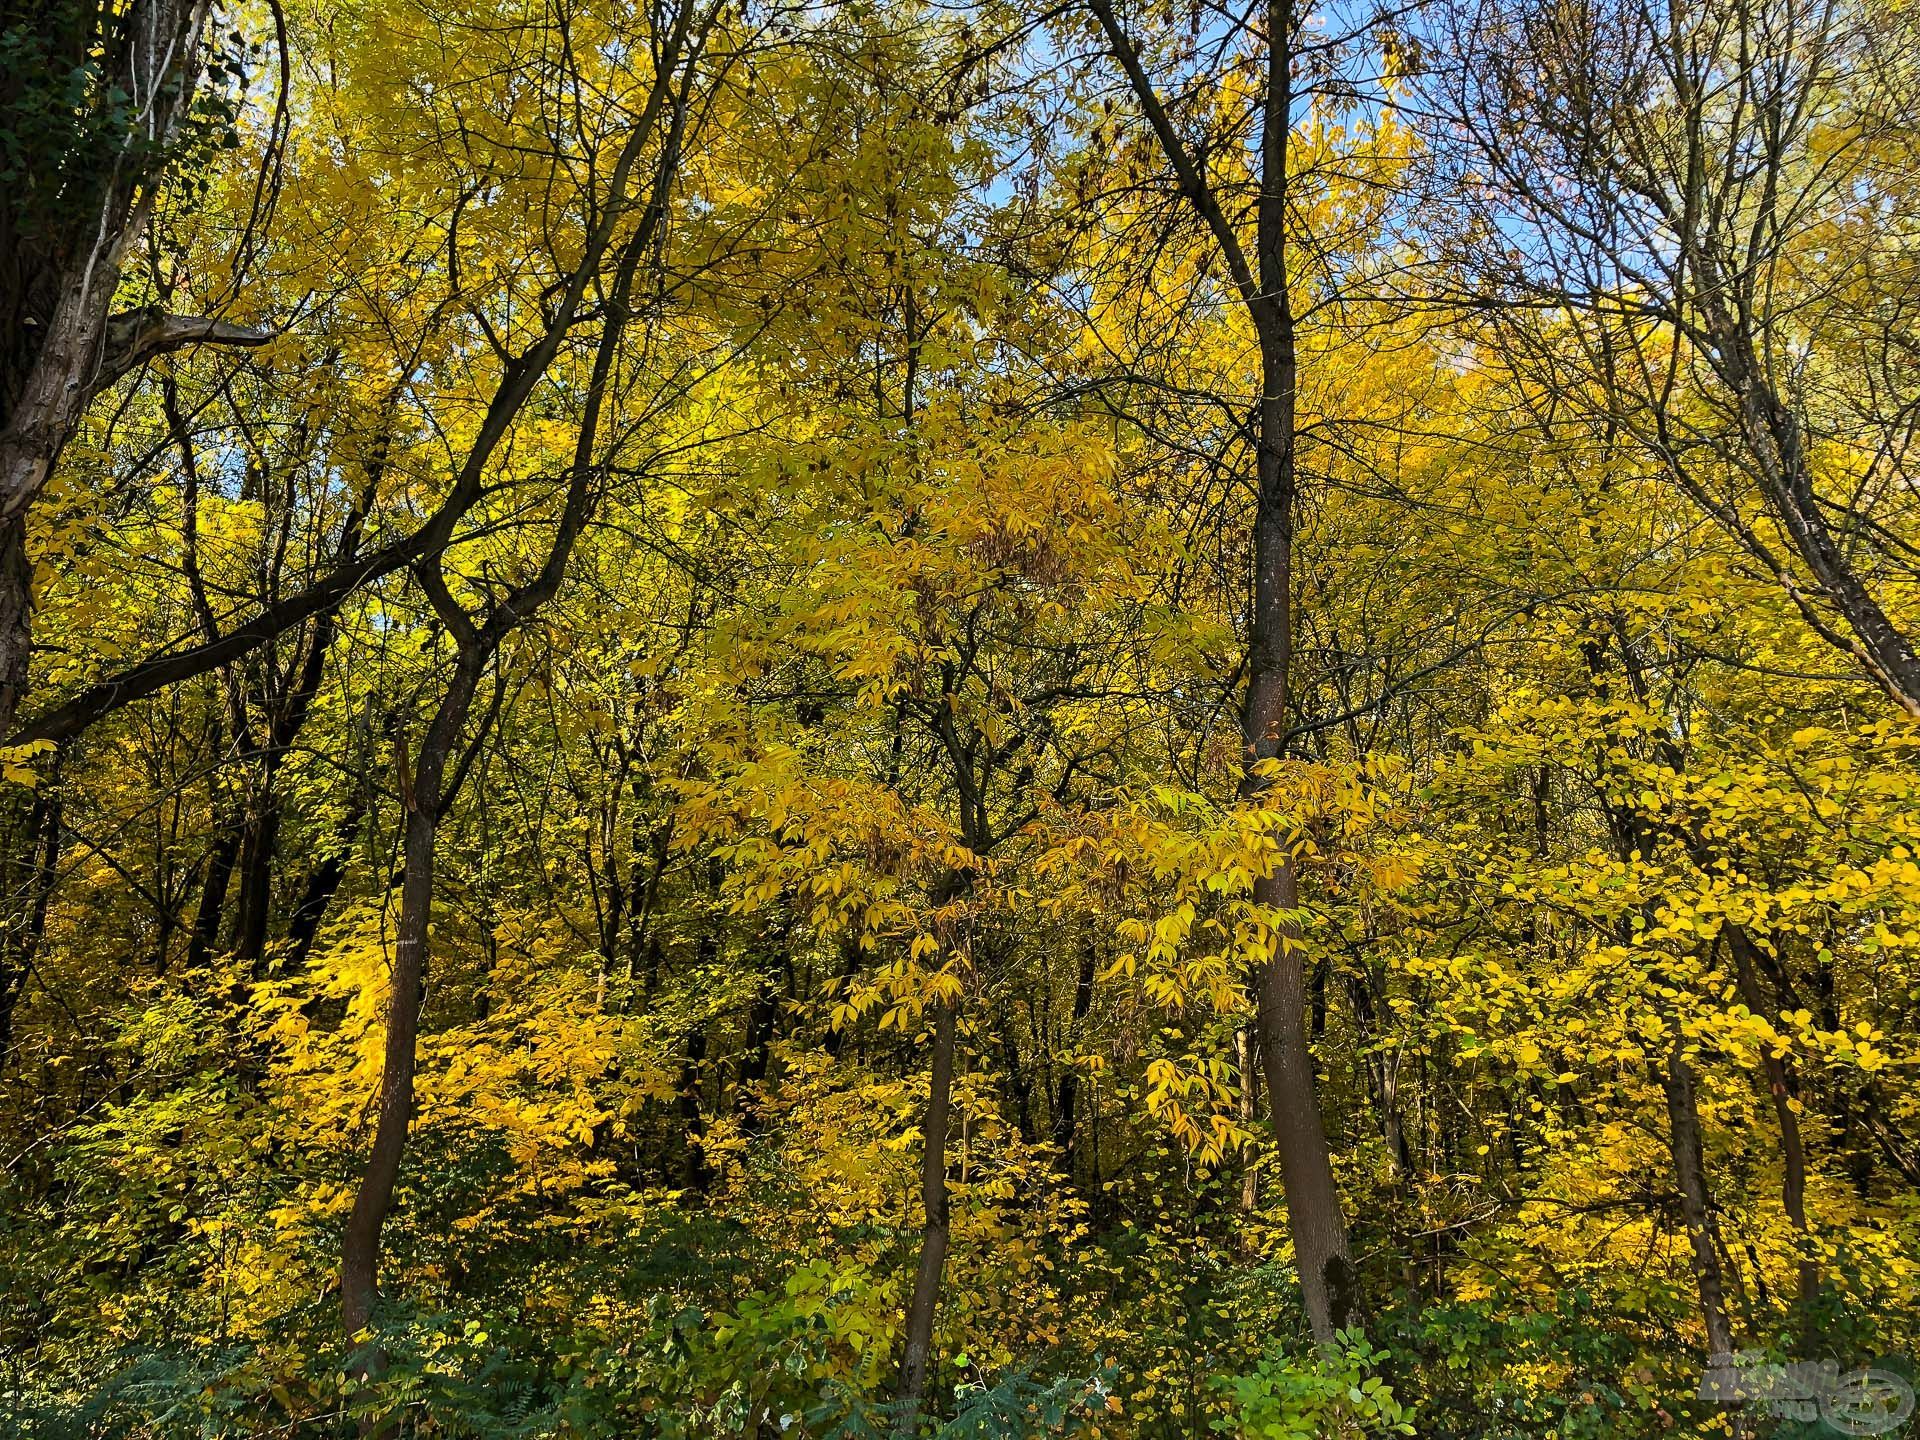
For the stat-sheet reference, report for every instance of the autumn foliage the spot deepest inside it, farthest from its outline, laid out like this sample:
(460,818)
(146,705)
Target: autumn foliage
(759,719)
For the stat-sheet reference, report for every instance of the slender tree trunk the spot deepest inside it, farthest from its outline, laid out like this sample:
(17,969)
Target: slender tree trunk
(1019,1083)
(756,1057)
(641,911)
(1696,1205)
(1300,1138)
(836,1037)
(254,910)
(916,1362)
(421,795)
(1065,1109)
(360,1251)
(1783,1090)
(1243,1048)
(21,810)
(204,939)
(694,1173)
(322,885)
(1314,1216)
(426,793)
(1382,1075)
(261,853)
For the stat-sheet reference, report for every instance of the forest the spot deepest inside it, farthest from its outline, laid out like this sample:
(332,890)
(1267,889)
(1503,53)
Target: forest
(1146,719)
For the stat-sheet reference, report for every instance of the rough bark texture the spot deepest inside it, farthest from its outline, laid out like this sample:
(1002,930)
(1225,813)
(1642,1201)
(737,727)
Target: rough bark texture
(31,865)
(16,618)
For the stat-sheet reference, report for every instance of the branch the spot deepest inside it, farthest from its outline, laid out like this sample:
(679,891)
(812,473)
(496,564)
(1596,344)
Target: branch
(136,336)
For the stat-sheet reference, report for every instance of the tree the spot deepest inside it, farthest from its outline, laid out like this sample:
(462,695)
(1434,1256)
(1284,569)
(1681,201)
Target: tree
(623,219)
(85,180)
(1263,282)
(1652,198)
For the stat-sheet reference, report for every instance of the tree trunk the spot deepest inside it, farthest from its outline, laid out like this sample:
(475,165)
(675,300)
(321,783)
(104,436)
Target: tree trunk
(1783,1090)
(1327,1281)
(1019,1083)
(66,274)
(16,618)
(360,1249)
(20,809)
(204,939)
(836,1036)
(322,885)
(254,910)
(1383,1076)
(756,1057)
(426,793)
(422,797)
(694,1173)
(1243,1049)
(1696,1205)
(29,889)
(1300,1139)
(1066,1107)
(916,1362)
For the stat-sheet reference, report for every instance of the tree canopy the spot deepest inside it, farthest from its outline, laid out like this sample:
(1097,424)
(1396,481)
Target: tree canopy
(743,718)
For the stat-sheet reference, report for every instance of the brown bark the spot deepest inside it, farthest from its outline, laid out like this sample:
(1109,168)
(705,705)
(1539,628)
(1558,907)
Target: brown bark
(1383,1073)
(1313,1204)
(1249,1084)
(1783,1090)
(258,851)
(1314,1216)
(1696,1203)
(16,618)
(916,1362)
(430,787)
(1300,1139)
(204,938)
(421,793)
(317,897)
(695,1175)
(756,1056)
(33,858)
